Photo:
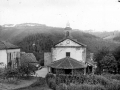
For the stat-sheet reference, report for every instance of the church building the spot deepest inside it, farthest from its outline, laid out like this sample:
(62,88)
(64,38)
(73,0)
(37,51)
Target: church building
(68,56)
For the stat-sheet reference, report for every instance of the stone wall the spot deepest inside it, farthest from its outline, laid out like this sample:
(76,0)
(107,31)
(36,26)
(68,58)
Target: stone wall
(47,58)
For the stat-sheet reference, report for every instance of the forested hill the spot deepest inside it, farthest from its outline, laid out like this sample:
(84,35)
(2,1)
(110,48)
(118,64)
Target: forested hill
(24,35)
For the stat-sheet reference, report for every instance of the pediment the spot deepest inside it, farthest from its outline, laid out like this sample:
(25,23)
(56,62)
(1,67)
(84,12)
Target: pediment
(67,42)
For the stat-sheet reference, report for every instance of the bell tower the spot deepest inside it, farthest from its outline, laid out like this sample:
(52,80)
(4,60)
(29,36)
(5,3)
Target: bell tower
(68,30)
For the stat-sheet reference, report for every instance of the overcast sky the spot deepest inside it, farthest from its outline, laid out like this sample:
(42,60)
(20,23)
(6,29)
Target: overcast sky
(98,15)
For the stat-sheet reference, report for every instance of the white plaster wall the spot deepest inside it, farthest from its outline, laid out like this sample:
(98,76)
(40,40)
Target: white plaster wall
(13,53)
(75,53)
(3,56)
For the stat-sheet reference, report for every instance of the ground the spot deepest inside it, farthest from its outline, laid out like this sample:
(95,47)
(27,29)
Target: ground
(21,83)
(35,88)
(42,72)
(25,83)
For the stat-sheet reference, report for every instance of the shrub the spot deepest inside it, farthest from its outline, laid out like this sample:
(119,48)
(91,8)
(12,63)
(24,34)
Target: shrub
(82,79)
(86,87)
(11,73)
(1,72)
(114,85)
(102,80)
(93,80)
(99,87)
(11,76)
(26,70)
(117,77)
(51,81)
(49,76)
(12,81)
(112,76)
(83,82)
(52,84)
(67,79)
(106,75)
(61,86)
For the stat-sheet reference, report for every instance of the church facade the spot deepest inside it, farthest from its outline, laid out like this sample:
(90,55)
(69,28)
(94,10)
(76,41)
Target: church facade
(68,56)
(68,47)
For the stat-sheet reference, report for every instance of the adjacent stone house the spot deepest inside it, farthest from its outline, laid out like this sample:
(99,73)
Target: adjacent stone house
(9,55)
(28,59)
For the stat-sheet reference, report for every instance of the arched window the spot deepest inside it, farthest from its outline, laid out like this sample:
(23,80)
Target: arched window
(67,33)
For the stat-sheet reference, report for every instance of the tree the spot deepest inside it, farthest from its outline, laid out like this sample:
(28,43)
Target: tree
(116,54)
(0,30)
(99,56)
(26,70)
(37,44)
(109,63)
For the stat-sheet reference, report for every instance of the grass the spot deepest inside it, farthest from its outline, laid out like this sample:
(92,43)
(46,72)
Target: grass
(34,88)
(40,84)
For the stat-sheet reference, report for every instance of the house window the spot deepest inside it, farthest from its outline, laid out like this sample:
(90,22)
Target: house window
(67,54)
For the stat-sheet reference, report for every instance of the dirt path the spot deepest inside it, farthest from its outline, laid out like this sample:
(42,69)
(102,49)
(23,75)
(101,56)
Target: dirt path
(22,83)
(42,73)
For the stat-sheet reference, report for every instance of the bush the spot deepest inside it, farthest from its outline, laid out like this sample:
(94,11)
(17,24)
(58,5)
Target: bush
(52,84)
(10,76)
(117,77)
(86,87)
(93,80)
(51,81)
(11,73)
(99,87)
(49,76)
(82,79)
(112,76)
(114,85)
(61,86)
(101,80)
(83,82)
(25,70)
(1,72)
(67,79)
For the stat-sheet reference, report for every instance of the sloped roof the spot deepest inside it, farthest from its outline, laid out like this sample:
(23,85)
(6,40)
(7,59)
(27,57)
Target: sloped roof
(68,28)
(72,40)
(7,45)
(67,63)
(90,62)
(28,58)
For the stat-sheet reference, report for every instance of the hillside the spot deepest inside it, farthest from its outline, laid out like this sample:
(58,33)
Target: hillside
(19,32)
(104,34)
(117,38)
(108,36)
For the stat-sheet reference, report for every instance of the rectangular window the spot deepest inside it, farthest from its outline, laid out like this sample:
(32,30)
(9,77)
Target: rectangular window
(10,57)
(67,54)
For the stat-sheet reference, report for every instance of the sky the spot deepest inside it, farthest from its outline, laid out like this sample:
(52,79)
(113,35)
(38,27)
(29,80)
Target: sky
(98,15)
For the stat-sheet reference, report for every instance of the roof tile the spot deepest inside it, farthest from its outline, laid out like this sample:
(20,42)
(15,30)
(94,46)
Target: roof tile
(7,45)
(67,63)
